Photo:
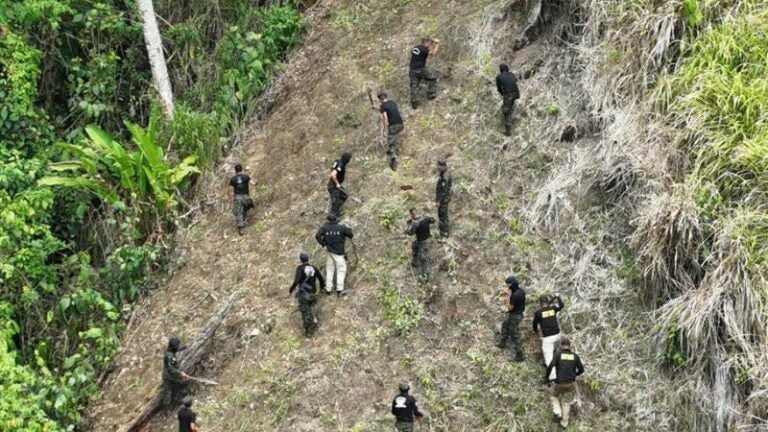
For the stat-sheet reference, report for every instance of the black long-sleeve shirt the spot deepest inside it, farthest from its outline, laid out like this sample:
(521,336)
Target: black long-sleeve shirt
(333,236)
(506,84)
(404,408)
(567,366)
(517,302)
(546,319)
(306,274)
(420,227)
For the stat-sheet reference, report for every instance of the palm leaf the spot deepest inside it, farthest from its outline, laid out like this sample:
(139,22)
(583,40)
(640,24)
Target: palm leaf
(99,189)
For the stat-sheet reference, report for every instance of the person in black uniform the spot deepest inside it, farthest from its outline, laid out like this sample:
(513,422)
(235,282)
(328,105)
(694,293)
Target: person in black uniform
(332,236)
(515,304)
(241,200)
(336,183)
(174,379)
(405,410)
(418,70)
(506,84)
(391,125)
(443,194)
(187,417)
(420,254)
(546,325)
(305,280)
(567,366)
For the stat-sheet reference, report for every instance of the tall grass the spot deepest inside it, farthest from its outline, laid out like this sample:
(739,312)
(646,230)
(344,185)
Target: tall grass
(703,247)
(681,88)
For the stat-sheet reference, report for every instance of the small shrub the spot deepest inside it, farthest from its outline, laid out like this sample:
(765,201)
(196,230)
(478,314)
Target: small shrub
(403,314)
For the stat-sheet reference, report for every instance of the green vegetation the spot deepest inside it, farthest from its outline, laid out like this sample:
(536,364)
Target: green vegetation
(403,314)
(86,194)
(703,247)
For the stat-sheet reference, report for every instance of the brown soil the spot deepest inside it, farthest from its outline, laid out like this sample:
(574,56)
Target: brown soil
(344,378)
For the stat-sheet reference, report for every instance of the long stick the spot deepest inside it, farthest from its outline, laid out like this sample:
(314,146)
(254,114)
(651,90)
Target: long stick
(191,357)
(202,380)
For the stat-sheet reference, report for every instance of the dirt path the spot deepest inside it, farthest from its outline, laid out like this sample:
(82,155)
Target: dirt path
(344,378)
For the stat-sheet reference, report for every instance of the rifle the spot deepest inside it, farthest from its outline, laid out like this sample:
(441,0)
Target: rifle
(202,380)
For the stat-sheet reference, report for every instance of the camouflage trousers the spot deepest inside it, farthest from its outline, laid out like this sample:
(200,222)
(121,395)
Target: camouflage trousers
(419,75)
(421,260)
(240,207)
(563,396)
(338,198)
(442,216)
(306,307)
(511,330)
(404,426)
(392,132)
(507,108)
(173,389)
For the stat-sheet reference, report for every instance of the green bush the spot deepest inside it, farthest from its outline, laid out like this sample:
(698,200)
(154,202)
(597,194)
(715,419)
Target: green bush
(22,398)
(71,74)
(403,314)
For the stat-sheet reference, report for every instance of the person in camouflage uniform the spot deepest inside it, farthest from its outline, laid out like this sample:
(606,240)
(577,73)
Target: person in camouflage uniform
(506,84)
(305,280)
(420,253)
(443,193)
(174,379)
(510,329)
(405,410)
(241,199)
(391,126)
(335,187)
(418,70)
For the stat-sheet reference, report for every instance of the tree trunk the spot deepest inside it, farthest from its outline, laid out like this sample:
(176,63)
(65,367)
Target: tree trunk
(156,56)
(188,359)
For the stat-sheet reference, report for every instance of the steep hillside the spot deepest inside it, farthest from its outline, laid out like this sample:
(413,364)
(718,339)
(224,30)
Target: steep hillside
(551,211)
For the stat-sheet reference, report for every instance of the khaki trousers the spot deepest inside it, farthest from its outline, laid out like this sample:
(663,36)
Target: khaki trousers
(563,396)
(335,264)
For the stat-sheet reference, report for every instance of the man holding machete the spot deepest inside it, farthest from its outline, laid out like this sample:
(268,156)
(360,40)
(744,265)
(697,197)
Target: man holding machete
(391,124)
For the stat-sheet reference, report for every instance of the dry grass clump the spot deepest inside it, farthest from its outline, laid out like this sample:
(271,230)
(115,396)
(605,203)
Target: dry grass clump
(700,243)
(717,331)
(707,256)
(668,239)
(626,45)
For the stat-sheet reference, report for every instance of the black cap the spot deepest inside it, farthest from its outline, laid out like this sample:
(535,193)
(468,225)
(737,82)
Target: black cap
(442,163)
(382,95)
(404,386)
(512,282)
(331,217)
(303,257)
(174,343)
(565,342)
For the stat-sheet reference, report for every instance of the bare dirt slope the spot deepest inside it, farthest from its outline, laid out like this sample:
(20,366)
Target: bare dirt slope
(510,215)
